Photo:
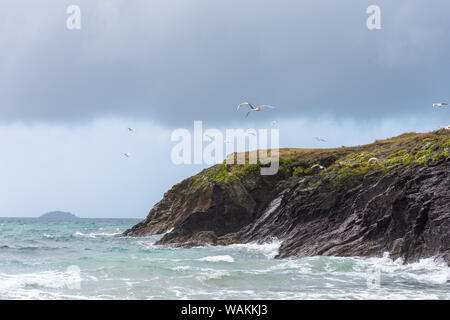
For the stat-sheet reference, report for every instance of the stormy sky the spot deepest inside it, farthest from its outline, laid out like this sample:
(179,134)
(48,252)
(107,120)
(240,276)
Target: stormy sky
(67,96)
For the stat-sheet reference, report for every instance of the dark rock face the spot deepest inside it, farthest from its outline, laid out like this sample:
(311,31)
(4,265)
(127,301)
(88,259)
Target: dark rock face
(402,208)
(406,214)
(220,209)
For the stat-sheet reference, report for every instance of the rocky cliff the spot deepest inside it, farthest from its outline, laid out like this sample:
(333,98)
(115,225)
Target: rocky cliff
(354,205)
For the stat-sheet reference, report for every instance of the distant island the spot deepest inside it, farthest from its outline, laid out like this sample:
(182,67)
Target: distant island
(59,215)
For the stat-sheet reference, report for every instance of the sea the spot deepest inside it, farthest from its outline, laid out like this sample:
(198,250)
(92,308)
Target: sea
(84,259)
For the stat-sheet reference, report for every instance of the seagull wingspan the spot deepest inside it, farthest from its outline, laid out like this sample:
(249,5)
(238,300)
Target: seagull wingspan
(245,104)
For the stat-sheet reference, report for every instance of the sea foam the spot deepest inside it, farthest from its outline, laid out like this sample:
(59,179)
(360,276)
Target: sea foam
(268,249)
(225,258)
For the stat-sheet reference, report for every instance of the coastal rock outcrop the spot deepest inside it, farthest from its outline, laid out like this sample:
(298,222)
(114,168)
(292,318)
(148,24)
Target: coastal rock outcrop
(353,207)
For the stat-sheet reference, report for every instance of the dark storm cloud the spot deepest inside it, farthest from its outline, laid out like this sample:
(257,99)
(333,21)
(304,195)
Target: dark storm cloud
(176,61)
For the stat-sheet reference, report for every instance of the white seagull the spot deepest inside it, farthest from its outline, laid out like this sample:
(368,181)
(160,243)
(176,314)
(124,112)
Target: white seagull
(252,108)
(440,105)
(274,123)
(130,129)
(373,160)
(447,128)
(320,140)
(127,154)
(209,137)
(318,166)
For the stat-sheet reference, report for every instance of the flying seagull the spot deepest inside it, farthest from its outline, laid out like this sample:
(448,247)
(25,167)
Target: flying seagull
(252,108)
(440,105)
(209,137)
(130,129)
(318,166)
(320,140)
(127,154)
(274,123)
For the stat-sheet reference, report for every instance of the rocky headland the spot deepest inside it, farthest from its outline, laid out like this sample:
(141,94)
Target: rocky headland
(398,202)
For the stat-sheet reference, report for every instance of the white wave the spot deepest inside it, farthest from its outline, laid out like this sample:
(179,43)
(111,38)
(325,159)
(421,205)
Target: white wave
(429,270)
(181,268)
(292,266)
(147,244)
(96,234)
(212,275)
(268,249)
(34,285)
(225,258)
(42,279)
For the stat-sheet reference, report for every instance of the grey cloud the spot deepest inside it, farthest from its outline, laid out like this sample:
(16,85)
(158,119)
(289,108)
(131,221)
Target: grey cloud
(177,61)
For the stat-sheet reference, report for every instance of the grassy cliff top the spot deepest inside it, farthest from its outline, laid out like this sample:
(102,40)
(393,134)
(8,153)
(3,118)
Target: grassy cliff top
(339,164)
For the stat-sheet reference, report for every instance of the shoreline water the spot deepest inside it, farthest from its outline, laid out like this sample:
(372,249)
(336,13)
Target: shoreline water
(36,260)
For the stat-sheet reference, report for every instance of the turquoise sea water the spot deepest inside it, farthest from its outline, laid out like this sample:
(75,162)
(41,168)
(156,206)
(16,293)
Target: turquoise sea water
(83,260)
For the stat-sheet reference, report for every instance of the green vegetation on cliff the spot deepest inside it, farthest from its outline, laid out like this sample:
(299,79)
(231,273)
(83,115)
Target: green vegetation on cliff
(344,165)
